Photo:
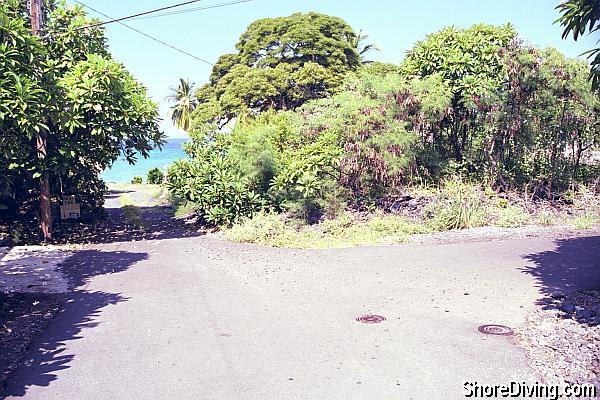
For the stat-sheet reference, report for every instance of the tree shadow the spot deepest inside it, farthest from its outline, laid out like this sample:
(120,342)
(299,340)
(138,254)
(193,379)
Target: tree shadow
(116,193)
(81,308)
(159,223)
(562,274)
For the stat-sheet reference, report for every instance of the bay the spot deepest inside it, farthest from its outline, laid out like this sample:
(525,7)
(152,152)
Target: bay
(122,172)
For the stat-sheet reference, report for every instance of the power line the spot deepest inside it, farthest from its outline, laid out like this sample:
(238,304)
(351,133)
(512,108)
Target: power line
(188,10)
(142,13)
(146,35)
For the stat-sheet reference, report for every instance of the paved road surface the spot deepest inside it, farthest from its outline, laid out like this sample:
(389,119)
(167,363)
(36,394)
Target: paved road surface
(198,318)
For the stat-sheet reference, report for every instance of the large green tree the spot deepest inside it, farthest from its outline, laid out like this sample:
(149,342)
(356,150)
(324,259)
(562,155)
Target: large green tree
(281,63)
(88,107)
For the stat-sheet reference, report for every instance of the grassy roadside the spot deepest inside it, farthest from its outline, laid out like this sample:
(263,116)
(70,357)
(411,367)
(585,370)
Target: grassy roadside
(452,207)
(346,230)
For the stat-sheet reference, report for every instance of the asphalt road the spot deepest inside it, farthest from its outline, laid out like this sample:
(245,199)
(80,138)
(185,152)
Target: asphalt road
(198,318)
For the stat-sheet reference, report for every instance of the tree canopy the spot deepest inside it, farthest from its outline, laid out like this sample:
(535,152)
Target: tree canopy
(469,59)
(281,63)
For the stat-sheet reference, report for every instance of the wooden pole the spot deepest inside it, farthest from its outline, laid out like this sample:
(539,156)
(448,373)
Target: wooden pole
(35,11)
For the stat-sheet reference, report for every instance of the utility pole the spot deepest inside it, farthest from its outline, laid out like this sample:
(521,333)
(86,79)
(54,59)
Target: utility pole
(35,11)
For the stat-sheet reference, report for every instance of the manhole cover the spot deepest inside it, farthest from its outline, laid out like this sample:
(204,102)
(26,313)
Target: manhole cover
(495,330)
(371,319)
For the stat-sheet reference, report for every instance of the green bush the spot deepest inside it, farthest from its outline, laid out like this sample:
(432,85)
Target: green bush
(137,180)
(17,233)
(545,218)
(264,228)
(389,127)
(155,176)
(133,214)
(219,193)
(257,146)
(393,225)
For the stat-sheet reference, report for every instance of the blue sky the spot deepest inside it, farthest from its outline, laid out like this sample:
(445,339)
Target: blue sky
(393,25)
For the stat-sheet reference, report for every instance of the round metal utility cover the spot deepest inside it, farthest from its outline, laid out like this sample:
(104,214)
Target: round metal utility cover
(495,330)
(371,319)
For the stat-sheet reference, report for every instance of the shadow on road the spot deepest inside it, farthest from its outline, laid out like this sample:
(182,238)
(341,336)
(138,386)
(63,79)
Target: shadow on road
(573,266)
(158,223)
(48,354)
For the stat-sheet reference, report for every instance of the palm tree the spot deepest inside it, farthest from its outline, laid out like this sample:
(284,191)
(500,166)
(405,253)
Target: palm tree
(184,104)
(358,42)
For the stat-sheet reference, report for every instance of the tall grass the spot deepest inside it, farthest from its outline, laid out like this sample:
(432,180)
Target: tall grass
(460,206)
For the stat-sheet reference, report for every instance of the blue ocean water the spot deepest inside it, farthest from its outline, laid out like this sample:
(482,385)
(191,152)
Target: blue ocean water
(122,172)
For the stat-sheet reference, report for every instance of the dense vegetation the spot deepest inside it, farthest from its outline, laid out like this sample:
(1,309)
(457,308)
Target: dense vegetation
(67,91)
(476,104)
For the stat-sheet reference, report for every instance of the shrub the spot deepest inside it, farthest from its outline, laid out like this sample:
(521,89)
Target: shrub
(348,230)
(133,214)
(461,206)
(257,146)
(155,176)
(264,228)
(220,194)
(137,180)
(393,225)
(17,233)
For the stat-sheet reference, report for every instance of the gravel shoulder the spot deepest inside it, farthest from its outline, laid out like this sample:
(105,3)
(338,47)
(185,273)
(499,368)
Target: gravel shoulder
(562,338)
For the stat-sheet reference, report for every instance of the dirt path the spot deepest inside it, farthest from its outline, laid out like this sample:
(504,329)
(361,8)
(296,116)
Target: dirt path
(167,314)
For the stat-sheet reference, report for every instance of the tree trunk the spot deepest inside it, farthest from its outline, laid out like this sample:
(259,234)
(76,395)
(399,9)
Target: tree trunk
(45,207)
(35,11)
